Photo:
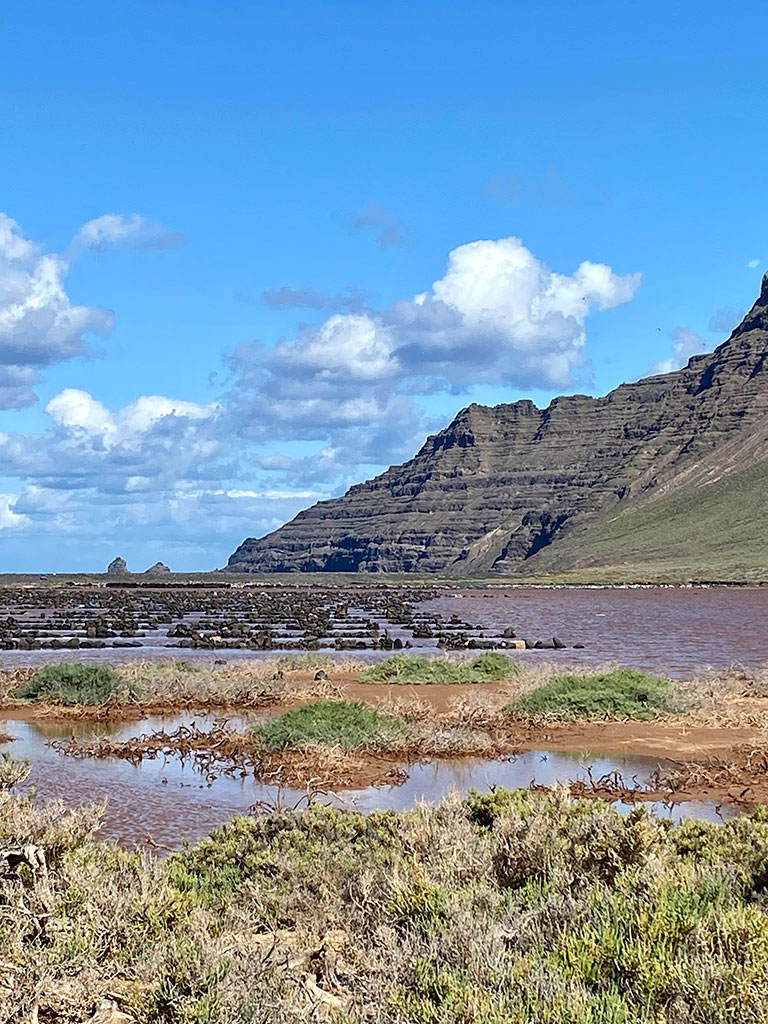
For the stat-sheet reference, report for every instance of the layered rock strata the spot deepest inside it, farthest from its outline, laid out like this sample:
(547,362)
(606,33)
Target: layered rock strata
(501,484)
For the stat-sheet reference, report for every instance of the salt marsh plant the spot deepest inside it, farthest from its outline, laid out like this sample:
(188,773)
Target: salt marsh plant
(621,693)
(329,723)
(72,683)
(505,908)
(490,666)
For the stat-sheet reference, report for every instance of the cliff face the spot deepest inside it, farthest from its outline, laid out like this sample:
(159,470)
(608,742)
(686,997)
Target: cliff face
(500,485)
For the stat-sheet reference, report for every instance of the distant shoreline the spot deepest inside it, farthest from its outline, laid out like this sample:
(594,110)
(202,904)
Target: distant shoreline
(298,581)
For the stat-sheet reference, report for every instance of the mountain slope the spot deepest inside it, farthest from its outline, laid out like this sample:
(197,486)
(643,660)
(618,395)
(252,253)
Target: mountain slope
(714,531)
(514,489)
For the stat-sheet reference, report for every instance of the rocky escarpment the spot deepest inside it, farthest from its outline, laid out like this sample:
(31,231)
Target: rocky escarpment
(500,485)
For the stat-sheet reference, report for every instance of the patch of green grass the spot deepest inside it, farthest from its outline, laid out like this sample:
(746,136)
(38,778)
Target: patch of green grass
(72,683)
(329,723)
(623,693)
(307,662)
(409,668)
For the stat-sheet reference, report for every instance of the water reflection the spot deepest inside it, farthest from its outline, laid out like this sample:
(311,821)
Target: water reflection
(167,800)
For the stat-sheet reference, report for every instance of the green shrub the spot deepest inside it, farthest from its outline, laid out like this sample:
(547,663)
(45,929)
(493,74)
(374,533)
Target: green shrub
(624,693)
(281,851)
(421,906)
(484,808)
(524,908)
(329,723)
(72,683)
(410,668)
(12,771)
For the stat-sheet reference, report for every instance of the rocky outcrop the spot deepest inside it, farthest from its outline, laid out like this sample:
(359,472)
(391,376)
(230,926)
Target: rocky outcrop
(158,569)
(500,485)
(117,567)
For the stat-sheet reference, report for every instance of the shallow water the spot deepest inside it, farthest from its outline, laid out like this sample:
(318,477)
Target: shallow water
(169,801)
(673,630)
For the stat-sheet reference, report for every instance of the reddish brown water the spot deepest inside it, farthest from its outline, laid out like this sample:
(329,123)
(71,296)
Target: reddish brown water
(673,630)
(171,802)
(670,630)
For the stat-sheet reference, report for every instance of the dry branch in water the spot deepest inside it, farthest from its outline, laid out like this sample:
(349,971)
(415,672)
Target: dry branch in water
(221,751)
(742,779)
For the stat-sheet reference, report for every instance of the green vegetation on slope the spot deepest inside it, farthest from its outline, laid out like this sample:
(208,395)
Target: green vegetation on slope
(712,532)
(71,683)
(411,668)
(623,693)
(329,723)
(510,908)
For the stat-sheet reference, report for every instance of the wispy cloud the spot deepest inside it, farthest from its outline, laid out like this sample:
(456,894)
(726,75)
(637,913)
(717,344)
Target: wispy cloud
(687,343)
(547,193)
(384,223)
(286,297)
(125,230)
(725,319)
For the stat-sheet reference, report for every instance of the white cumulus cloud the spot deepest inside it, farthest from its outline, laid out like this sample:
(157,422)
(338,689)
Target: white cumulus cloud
(498,314)
(78,411)
(39,324)
(10,519)
(343,396)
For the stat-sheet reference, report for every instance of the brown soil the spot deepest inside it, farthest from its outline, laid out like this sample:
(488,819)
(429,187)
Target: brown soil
(300,686)
(675,740)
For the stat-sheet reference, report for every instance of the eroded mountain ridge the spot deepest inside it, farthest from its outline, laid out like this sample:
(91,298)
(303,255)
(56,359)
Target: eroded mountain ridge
(502,489)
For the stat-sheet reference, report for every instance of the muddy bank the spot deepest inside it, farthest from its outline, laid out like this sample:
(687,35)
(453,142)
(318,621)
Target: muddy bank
(193,760)
(687,764)
(692,759)
(298,687)
(160,802)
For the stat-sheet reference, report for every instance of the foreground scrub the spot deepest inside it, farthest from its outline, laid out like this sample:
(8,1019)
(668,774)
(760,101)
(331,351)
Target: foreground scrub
(511,908)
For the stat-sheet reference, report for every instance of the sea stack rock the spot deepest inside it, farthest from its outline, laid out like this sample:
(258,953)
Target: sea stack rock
(158,569)
(117,567)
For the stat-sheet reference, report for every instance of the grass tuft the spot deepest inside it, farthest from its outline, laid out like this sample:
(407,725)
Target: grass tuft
(306,662)
(622,693)
(406,668)
(329,723)
(71,683)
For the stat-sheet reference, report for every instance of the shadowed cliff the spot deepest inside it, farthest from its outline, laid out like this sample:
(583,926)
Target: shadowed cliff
(658,470)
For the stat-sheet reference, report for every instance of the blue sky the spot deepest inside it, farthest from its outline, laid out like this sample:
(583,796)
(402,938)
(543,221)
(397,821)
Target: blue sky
(255,252)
